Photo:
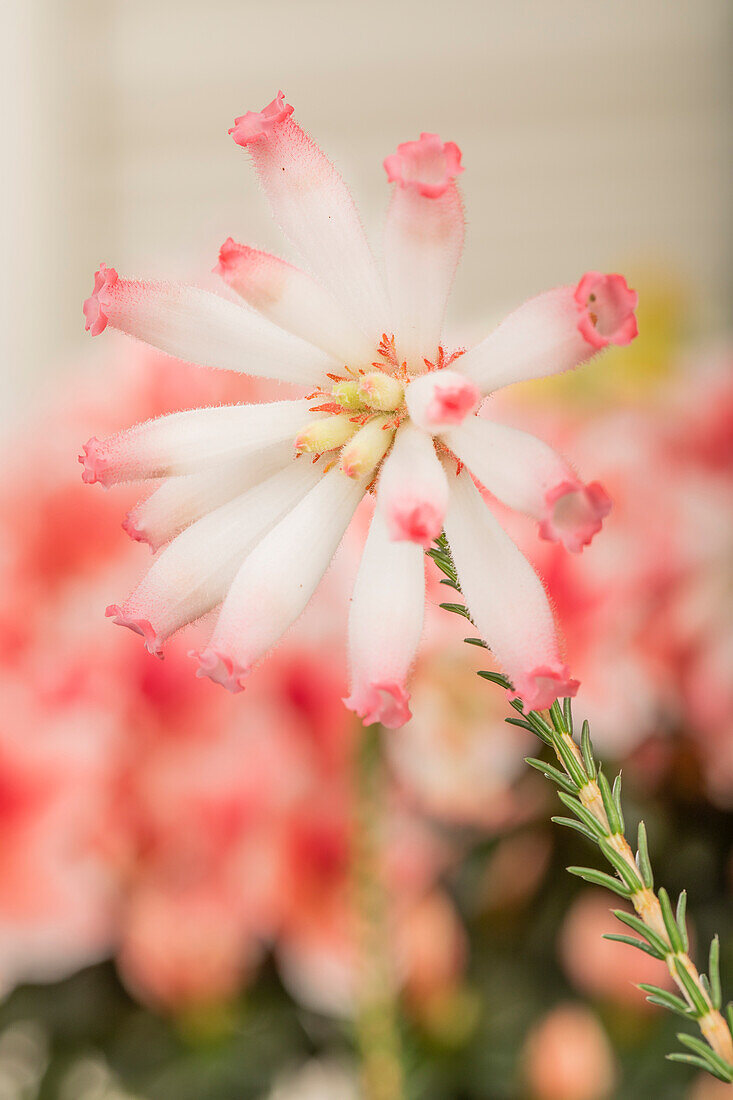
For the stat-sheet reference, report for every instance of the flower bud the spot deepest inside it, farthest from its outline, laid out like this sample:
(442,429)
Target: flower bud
(381,391)
(325,435)
(366,450)
(347,394)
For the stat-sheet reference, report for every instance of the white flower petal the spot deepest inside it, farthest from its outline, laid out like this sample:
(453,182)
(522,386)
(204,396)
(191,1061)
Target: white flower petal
(194,572)
(441,399)
(314,208)
(506,599)
(539,338)
(529,476)
(180,501)
(385,625)
(294,301)
(184,442)
(413,488)
(422,247)
(278,578)
(193,324)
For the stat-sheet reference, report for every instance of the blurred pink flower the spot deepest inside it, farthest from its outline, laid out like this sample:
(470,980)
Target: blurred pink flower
(142,814)
(708,1088)
(568,1057)
(649,605)
(602,968)
(457,758)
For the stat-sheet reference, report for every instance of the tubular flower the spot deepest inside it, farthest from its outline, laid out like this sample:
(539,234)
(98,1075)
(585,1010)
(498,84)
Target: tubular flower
(243,519)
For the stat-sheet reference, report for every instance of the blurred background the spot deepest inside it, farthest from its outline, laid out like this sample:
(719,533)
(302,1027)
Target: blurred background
(184,911)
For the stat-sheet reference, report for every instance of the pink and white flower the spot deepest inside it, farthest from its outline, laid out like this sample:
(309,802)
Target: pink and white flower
(241,524)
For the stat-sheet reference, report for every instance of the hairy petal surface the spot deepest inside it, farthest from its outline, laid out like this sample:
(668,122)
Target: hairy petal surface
(315,210)
(423,243)
(293,300)
(278,578)
(506,599)
(385,625)
(192,575)
(180,501)
(526,474)
(184,442)
(441,399)
(554,332)
(200,327)
(413,488)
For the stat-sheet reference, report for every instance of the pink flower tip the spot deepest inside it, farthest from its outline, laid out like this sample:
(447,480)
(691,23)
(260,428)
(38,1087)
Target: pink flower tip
(96,466)
(415,521)
(143,627)
(385,701)
(229,253)
(452,402)
(427,165)
(606,305)
(575,513)
(540,688)
(94,306)
(220,668)
(137,534)
(257,124)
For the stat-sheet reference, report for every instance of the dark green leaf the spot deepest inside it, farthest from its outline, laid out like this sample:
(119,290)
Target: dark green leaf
(457,609)
(586,747)
(570,761)
(680,918)
(694,993)
(494,677)
(706,1052)
(675,937)
(642,858)
(716,994)
(567,713)
(641,929)
(579,827)
(520,722)
(600,878)
(632,943)
(608,803)
(580,811)
(629,876)
(558,719)
(693,1060)
(547,770)
(666,999)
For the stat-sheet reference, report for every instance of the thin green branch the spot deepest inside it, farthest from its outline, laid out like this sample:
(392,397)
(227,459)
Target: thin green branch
(598,815)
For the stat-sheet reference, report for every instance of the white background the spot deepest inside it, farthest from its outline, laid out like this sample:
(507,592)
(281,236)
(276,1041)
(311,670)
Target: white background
(594,134)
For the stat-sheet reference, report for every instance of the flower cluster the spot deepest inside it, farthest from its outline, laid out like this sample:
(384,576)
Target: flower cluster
(241,523)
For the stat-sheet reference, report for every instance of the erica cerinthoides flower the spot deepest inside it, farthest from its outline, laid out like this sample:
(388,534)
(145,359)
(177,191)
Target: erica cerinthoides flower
(244,520)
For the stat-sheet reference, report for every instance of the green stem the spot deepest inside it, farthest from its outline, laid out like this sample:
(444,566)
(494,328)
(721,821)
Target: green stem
(377,1027)
(596,804)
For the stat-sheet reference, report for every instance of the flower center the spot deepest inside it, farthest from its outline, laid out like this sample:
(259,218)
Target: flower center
(363,410)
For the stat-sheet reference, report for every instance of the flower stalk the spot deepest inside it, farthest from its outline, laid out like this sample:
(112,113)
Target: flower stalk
(377,1029)
(597,813)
